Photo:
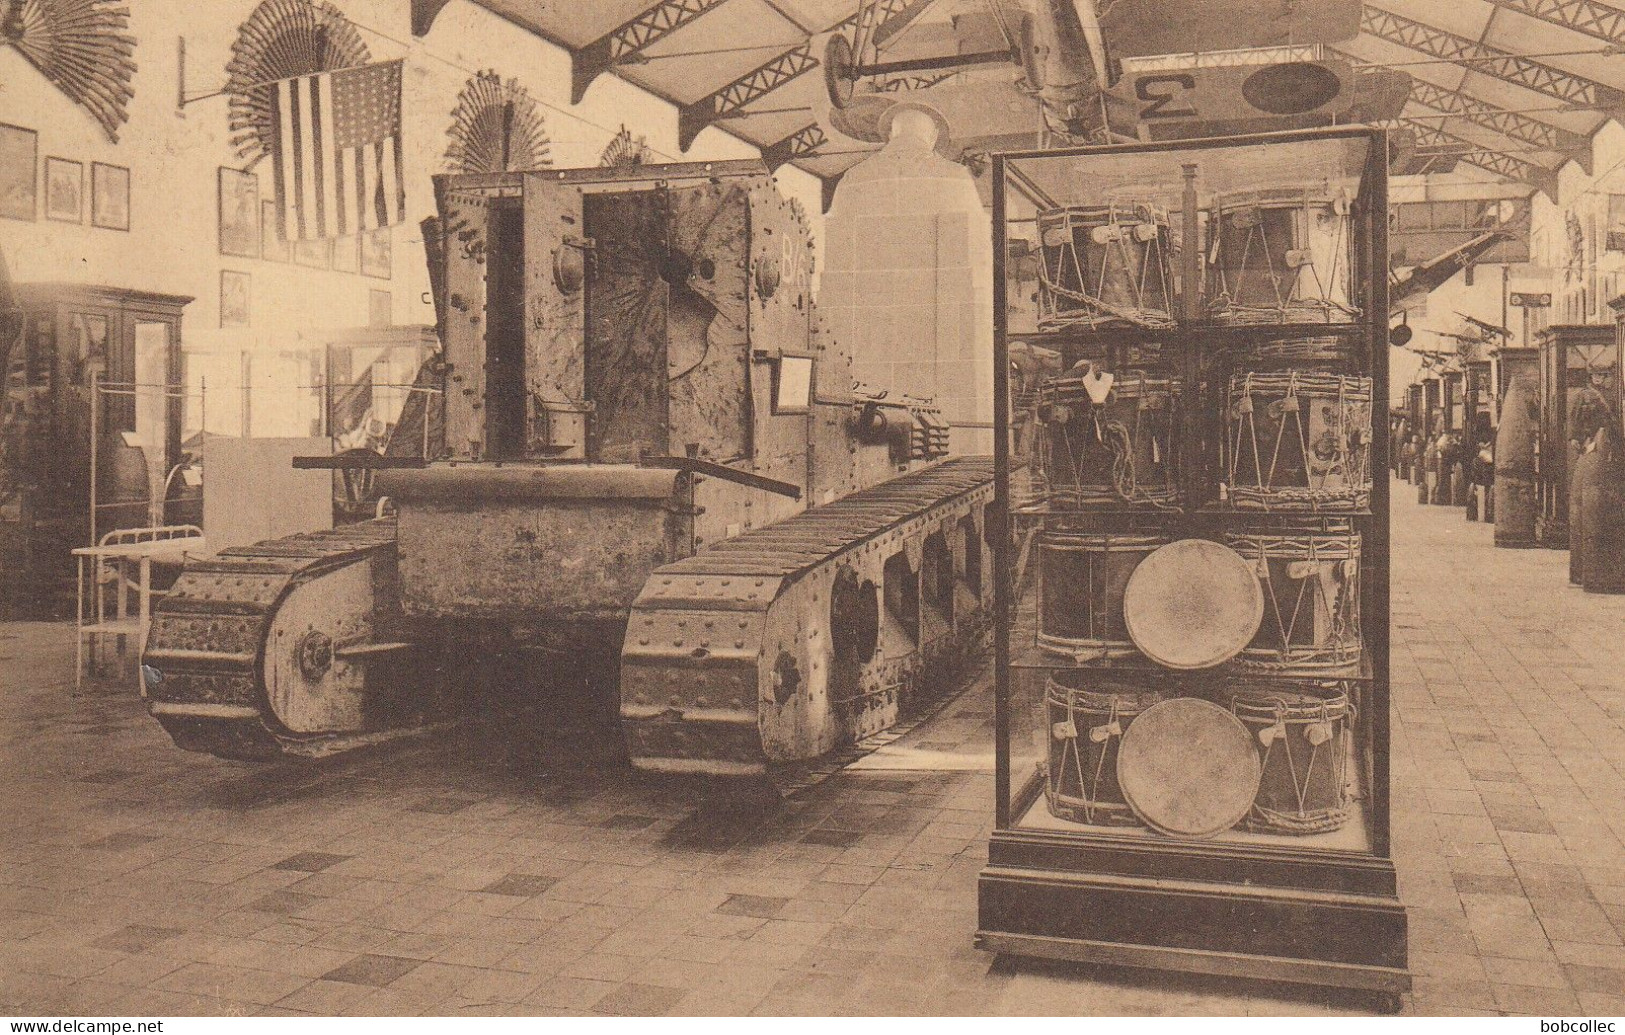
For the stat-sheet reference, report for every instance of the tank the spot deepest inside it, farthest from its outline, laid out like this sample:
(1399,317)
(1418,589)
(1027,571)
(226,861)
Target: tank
(661,502)
(1602,517)
(1515,504)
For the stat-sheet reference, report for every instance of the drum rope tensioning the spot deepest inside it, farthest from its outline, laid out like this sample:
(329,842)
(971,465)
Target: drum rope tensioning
(1301,744)
(1316,629)
(1139,447)
(1118,272)
(1327,449)
(1285,256)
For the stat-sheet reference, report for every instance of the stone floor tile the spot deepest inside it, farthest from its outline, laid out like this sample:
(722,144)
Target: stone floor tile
(373,970)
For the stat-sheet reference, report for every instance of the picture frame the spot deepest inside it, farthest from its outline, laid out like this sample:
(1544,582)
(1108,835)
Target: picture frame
(110,196)
(380,308)
(19,173)
(236,298)
(315,253)
(64,190)
(273,246)
(347,254)
(377,258)
(239,205)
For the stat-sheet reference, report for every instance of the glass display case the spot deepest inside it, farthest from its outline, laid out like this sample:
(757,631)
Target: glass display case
(1192,651)
(1578,367)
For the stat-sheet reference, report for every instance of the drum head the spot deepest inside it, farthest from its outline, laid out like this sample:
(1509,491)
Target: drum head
(1193,604)
(1188,768)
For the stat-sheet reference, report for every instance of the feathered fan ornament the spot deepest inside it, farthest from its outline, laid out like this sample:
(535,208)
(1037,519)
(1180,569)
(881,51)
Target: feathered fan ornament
(81,47)
(280,40)
(625,150)
(496,127)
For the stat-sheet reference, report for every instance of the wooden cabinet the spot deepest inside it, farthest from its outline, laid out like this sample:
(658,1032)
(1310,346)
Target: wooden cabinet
(94,364)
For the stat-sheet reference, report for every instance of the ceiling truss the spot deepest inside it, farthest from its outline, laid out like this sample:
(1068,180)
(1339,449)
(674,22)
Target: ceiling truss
(626,42)
(1481,57)
(1499,162)
(1599,21)
(1510,124)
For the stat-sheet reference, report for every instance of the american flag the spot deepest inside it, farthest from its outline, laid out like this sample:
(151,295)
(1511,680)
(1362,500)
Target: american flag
(337,152)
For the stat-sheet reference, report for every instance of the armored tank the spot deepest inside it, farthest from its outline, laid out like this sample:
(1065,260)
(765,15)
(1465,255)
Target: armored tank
(659,487)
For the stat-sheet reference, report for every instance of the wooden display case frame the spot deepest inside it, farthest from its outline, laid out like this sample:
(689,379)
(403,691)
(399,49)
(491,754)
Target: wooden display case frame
(1271,911)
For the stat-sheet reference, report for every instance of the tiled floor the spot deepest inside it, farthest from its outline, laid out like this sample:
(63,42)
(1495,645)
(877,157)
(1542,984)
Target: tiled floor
(471,877)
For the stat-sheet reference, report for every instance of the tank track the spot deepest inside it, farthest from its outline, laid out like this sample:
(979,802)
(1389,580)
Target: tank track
(205,667)
(728,666)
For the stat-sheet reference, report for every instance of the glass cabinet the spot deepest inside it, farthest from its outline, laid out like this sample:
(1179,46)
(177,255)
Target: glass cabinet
(1192,650)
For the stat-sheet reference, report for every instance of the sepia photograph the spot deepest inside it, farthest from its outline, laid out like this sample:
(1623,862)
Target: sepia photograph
(908,510)
(64,190)
(19,173)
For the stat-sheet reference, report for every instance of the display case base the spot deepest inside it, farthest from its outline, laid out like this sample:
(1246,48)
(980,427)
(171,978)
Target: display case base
(1307,921)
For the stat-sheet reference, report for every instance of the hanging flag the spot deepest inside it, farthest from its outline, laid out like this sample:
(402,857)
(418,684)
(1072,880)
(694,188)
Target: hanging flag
(351,408)
(337,152)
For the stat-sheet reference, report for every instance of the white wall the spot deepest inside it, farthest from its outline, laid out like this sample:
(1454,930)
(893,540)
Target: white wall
(174,157)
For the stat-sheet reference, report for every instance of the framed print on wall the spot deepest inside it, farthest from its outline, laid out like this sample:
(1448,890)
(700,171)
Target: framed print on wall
(234,298)
(273,248)
(109,196)
(239,213)
(347,254)
(19,173)
(380,308)
(376,257)
(64,190)
(315,252)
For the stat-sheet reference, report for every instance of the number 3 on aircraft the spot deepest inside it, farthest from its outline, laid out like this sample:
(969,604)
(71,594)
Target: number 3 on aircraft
(1163,90)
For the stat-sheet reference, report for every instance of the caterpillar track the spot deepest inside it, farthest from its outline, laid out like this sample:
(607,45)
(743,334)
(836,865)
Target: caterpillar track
(812,633)
(277,648)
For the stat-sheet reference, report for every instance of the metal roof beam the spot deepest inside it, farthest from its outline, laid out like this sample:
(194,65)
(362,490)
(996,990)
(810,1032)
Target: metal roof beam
(1509,124)
(748,88)
(803,143)
(626,42)
(1492,61)
(1498,162)
(783,68)
(1599,21)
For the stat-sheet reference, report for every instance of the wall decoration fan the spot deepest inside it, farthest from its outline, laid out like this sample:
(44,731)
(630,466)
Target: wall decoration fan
(280,40)
(625,150)
(81,47)
(496,127)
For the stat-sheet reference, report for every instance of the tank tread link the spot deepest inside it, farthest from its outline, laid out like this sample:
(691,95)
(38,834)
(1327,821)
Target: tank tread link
(740,657)
(253,652)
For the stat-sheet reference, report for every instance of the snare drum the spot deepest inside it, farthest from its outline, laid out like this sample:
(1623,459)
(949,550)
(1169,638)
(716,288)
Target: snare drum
(1104,266)
(1300,731)
(1281,256)
(1082,576)
(1120,450)
(1327,349)
(1298,441)
(1086,725)
(1311,583)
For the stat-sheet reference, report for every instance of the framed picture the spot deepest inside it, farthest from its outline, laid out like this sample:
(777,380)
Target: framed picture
(234,298)
(347,254)
(317,253)
(380,308)
(376,258)
(109,196)
(19,173)
(273,248)
(64,190)
(239,213)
